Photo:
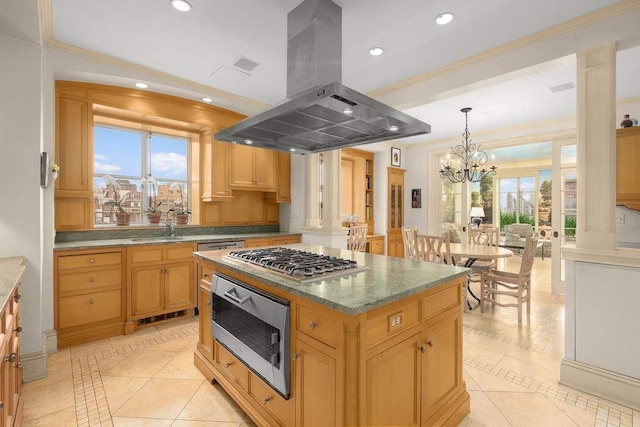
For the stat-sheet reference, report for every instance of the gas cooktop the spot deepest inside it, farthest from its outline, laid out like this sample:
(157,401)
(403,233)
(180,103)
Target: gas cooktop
(296,264)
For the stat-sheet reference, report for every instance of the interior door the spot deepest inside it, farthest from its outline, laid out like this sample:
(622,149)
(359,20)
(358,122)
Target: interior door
(563,208)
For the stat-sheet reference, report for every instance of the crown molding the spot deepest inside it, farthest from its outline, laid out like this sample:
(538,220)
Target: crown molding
(46,21)
(619,8)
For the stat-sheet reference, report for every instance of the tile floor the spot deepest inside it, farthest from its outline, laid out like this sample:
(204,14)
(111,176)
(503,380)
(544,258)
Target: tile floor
(148,378)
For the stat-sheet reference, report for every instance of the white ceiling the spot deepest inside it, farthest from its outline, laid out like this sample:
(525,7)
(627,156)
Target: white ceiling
(216,33)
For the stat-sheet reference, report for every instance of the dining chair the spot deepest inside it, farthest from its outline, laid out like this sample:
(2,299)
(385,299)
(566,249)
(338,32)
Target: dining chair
(357,240)
(496,283)
(488,237)
(433,248)
(409,239)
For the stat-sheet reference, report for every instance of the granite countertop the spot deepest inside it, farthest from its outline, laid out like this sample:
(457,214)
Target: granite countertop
(387,279)
(11,270)
(194,238)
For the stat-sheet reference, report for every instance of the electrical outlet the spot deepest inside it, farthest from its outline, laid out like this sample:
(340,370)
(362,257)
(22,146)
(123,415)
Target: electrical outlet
(620,218)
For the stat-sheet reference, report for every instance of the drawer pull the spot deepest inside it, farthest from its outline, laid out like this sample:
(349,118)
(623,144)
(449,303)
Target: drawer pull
(91,301)
(294,356)
(206,276)
(17,297)
(18,329)
(11,358)
(92,279)
(422,348)
(208,302)
(228,364)
(91,260)
(312,325)
(266,400)
(430,343)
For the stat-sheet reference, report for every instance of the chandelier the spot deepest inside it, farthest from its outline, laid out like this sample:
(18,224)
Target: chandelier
(469,161)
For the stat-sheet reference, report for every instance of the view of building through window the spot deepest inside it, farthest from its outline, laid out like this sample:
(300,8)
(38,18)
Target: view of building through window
(137,173)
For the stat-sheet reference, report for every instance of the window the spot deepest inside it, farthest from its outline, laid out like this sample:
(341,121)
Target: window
(517,201)
(452,209)
(125,160)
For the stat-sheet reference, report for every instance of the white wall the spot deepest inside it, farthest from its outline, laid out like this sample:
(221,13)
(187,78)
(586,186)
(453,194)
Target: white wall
(21,225)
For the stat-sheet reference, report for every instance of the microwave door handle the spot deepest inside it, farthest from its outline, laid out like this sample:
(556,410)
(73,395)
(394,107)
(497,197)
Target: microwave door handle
(235,299)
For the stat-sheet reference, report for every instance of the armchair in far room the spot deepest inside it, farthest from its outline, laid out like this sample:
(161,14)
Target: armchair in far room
(517,233)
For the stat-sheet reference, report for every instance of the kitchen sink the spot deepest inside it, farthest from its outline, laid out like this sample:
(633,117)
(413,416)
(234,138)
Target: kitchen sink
(157,239)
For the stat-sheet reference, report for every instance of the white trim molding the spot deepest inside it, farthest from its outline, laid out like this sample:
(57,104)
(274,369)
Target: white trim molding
(34,366)
(600,382)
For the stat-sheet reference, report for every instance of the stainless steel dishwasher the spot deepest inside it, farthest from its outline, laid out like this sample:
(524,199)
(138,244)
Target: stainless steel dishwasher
(213,246)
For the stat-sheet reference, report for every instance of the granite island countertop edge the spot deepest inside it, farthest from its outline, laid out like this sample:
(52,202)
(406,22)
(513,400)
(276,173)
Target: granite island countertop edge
(11,271)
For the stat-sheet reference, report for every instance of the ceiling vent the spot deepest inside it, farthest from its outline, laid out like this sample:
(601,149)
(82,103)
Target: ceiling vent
(245,64)
(560,88)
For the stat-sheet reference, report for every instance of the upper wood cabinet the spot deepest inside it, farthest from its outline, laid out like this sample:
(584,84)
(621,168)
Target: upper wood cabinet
(356,182)
(214,165)
(395,213)
(253,168)
(72,144)
(283,193)
(627,172)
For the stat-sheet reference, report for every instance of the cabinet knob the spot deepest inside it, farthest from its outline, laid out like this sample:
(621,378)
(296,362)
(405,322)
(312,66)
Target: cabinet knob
(17,297)
(11,358)
(430,343)
(312,325)
(18,329)
(294,356)
(1,406)
(206,276)
(266,400)
(91,260)
(208,302)
(91,301)
(92,279)
(228,364)
(422,348)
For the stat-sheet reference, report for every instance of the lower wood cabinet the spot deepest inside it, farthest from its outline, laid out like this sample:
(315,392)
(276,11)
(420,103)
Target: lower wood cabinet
(400,364)
(375,244)
(10,366)
(395,245)
(161,280)
(271,241)
(89,295)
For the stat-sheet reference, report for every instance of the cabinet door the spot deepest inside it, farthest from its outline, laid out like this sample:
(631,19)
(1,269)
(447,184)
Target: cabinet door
(265,168)
(393,385)
(204,319)
(220,172)
(179,286)
(315,387)
(628,156)
(241,165)
(396,247)
(6,368)
(442,367)
(147,291)
(284,178)
(73,144)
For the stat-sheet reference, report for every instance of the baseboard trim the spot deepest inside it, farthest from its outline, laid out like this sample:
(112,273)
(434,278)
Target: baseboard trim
(50,341)
(34,366)
(601,382)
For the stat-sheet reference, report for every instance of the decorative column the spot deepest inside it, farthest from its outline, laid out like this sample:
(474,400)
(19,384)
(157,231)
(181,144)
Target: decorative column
(312,164)
(596,165)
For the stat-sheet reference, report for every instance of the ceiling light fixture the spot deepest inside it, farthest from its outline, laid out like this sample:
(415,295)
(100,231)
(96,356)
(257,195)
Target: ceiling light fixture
(207,99)
(292,150)
(376,51)
(469,158)
(181,5)
(393,128)
(142,85)
(348,111)
(248,141)
(444,18)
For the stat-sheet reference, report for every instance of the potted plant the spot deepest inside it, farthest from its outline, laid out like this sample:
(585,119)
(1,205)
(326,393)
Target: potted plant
(154,214)
(181,212)
(122,217)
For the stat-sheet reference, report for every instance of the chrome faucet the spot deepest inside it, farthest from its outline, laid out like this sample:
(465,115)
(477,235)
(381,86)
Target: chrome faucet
(172,228)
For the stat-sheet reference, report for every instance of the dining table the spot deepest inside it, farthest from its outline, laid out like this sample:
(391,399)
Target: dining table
(472,253)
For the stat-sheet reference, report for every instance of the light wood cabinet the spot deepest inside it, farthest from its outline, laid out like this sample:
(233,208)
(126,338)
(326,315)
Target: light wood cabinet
(375,244)
(272,241)
(357,173)
(10,365)
(399,364)
(252,168)
(283,193)
(161,280)
(214,167)
(627,172)
(395,211)
(89,295)
(205,342)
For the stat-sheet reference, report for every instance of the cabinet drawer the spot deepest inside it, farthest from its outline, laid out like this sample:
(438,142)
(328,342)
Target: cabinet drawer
(270,400)
(253,243)
(285,240)
(206,273)
(86,281)
(144,255)
(441,301)
(92,260)
(179,252)
(89,308)
(392,322)
(231,366)
(317,325)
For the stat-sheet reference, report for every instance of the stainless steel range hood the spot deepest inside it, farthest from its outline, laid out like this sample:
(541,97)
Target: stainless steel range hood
(322,114)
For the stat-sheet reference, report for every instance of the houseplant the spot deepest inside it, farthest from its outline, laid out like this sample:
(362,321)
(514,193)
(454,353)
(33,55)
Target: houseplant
(182,211)
(122,217)
(154,214)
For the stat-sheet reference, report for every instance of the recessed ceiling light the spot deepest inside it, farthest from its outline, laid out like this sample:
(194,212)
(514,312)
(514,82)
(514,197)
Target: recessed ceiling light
(142,85)
(206,99)
(376,51)
(444,18)
(292,149)
(248,141)
(393,128)
(181,5)
(348,111)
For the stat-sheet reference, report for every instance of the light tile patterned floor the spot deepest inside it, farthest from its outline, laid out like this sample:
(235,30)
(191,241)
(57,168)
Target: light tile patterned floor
(148,378)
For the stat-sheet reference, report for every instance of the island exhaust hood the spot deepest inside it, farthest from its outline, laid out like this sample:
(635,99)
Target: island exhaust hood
(322,114)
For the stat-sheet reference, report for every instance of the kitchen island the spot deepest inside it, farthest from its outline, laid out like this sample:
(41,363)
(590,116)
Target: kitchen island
(381,346)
